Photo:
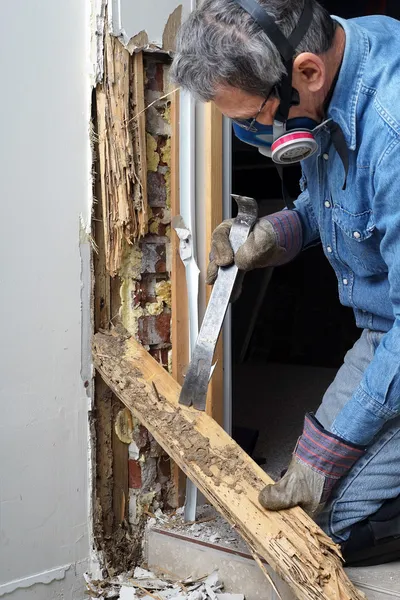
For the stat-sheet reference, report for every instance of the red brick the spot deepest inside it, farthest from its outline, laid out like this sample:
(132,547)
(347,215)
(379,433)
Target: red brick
(154,258)
(155,76)
(156,189)
(145,291)
(135,475)
(161,355)
(155,329)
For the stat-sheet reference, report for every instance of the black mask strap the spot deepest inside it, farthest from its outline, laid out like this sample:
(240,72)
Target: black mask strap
(302,26)
(340,145)
(285,46)
(267,24)
(287,198)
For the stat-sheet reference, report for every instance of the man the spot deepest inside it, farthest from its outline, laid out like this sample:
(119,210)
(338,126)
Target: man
(340,85)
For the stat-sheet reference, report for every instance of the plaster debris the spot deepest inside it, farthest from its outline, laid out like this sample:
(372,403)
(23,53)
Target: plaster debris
(146,585)
(127,593)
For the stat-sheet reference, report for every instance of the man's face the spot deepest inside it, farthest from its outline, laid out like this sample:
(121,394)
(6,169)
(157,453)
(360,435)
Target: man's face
(308,79)
(237,104)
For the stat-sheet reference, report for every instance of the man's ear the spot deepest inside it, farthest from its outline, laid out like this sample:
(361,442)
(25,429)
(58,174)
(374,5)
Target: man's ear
(308,72)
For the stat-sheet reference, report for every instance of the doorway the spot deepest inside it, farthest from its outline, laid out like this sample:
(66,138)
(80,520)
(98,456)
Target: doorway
(289,331)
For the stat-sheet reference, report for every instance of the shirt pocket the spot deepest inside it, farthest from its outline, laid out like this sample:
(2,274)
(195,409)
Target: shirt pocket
(358,241)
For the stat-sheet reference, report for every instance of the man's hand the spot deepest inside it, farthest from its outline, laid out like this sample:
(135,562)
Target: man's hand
(261,249)
(319,461)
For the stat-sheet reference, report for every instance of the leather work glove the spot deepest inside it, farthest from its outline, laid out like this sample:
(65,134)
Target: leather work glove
(261,249)
(319,461)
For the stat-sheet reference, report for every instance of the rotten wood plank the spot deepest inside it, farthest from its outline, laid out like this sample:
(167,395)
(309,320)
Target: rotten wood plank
(120,455)
(121,151)
(292,544)
(140,155)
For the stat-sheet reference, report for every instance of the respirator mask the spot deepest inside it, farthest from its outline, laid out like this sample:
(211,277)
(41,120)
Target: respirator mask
(297,142)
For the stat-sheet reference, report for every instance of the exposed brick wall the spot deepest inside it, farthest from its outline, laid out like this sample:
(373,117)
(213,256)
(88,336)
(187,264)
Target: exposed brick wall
(146,292)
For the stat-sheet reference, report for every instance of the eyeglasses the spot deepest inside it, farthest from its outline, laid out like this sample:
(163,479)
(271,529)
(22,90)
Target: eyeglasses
(249,124)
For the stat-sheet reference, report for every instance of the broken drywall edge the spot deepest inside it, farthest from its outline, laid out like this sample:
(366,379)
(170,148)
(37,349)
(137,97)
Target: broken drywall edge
(86,321)
(97,38)
(152,31)
(45,578)
(107,15)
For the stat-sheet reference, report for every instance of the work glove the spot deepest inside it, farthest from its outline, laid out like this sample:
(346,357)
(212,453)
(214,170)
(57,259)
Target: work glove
(319,461)
(261,249)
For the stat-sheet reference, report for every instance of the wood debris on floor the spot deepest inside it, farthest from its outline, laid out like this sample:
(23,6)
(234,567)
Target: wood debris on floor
(209,527)
(146,585)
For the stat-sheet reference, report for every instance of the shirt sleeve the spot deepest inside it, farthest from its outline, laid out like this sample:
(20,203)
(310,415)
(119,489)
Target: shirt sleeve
(309,222)
(295,229)
(377,398)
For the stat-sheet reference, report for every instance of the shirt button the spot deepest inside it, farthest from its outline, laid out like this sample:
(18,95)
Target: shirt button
(327,204)
(329,250)
(357,235)
(345,282)
(325,156)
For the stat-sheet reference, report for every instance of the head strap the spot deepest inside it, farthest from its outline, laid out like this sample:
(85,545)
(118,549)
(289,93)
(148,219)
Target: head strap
(267,24)
(285,46)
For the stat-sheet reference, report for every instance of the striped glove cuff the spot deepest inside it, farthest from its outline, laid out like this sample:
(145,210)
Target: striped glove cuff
(289,233)
(325,452)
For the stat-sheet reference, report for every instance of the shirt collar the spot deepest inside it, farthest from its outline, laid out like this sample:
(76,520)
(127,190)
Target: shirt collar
(343,106)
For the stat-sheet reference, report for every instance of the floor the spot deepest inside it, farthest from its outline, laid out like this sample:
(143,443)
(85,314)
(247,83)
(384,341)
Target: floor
(273,399)
(183,553)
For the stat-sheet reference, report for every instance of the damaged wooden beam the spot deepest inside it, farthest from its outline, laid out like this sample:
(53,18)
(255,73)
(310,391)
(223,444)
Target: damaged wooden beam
(122,150)
(289,541)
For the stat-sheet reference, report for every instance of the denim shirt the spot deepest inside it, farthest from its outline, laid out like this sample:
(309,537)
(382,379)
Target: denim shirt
(359,227)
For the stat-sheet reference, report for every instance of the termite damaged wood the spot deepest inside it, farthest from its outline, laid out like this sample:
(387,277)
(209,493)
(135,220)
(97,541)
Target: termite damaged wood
(289,541)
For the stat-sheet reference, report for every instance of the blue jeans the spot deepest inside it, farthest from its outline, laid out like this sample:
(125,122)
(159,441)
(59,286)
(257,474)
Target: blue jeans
(376,476)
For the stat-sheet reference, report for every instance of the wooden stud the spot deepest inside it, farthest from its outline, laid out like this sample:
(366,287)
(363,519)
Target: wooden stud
(179,299)
(140,139)
(120,456)
(122,150)
(102,288)
(214,216)
(112,486)
(289,541)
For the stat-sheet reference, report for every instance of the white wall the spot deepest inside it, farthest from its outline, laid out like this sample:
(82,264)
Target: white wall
(44,187)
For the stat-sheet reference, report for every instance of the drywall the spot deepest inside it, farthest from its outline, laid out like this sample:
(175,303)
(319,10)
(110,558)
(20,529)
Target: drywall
(45,191)
(133,21)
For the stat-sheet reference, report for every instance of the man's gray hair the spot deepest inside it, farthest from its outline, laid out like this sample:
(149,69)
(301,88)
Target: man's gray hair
(221,44)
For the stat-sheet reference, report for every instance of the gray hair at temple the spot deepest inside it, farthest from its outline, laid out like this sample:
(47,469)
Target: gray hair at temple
(221,44)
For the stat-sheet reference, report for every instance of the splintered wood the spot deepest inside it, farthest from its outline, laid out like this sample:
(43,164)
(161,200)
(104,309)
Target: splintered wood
(291,543)
(122,150)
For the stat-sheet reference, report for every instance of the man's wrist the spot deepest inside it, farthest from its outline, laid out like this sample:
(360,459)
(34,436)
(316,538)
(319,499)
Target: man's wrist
(289,233)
